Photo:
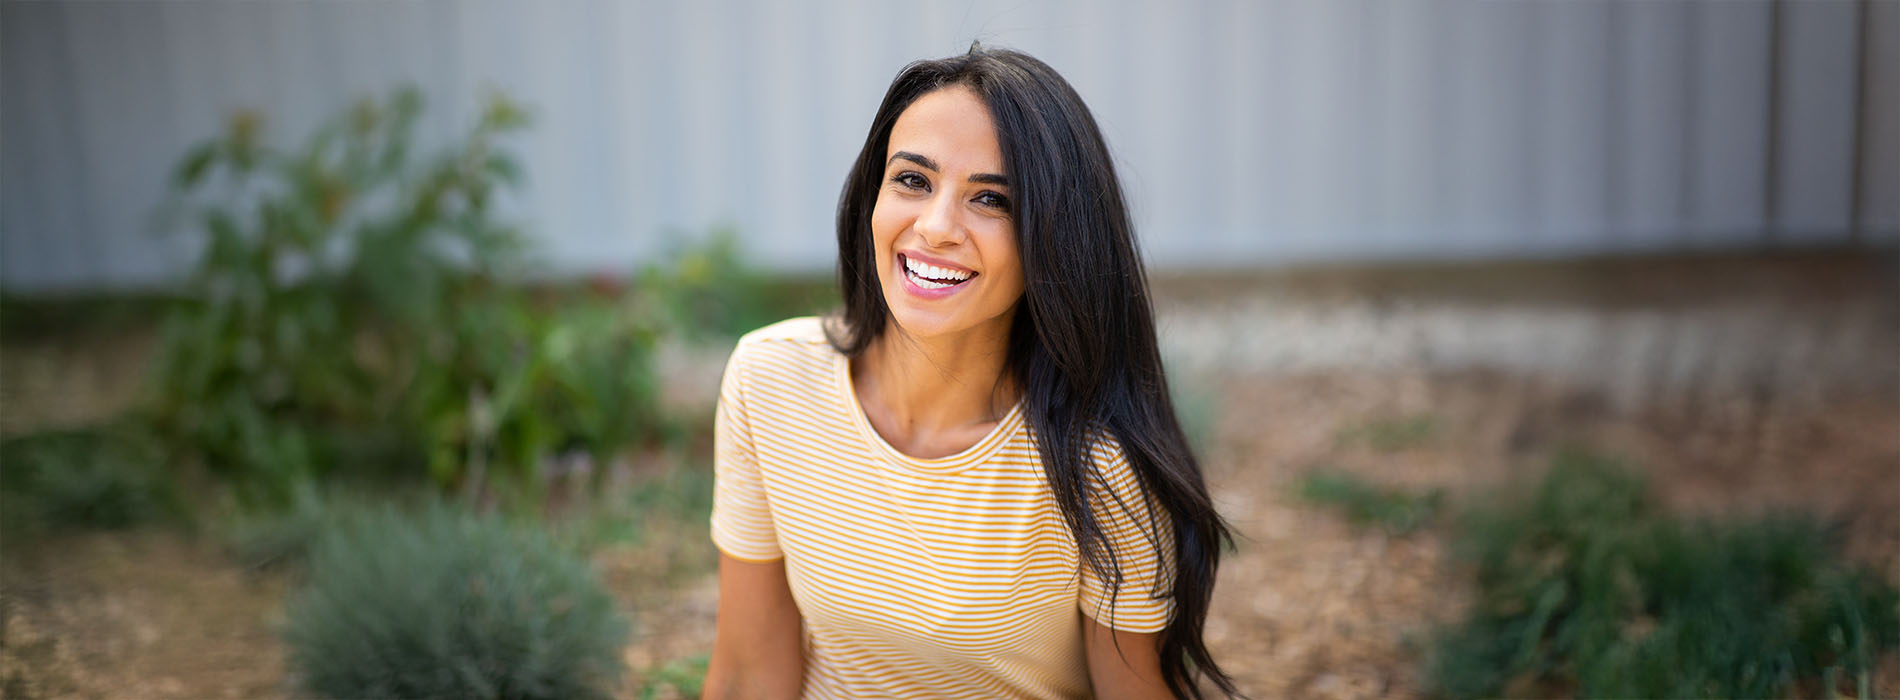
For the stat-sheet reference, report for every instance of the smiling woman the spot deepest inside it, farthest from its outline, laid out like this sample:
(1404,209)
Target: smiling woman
(970,482)
(945,244)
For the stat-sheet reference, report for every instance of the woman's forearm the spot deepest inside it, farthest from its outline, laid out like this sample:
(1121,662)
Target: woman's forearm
(758,650)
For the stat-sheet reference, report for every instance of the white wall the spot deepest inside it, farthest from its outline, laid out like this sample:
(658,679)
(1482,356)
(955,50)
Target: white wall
(1250,132)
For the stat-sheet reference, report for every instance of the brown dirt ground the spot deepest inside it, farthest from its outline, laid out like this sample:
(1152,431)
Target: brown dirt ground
(137,614)
(1308,606)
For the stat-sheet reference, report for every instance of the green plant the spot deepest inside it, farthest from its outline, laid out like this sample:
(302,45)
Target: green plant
(682,678)
(1396,511)
(1392,434)
(523,386)
(445,604)
(1588,586)
(105,477)
(323,272)
(347,318)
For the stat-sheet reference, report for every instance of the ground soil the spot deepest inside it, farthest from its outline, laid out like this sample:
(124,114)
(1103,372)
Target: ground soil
(1307,606)
(1312,606)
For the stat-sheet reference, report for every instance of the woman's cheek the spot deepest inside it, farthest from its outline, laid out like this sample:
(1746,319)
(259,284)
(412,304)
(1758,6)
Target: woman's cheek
(887,217)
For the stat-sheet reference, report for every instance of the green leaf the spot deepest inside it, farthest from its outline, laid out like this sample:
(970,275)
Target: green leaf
(503,168)
(192,169)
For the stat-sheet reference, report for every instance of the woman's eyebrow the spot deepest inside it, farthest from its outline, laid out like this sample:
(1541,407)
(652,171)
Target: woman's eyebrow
(985,178)
(914,158)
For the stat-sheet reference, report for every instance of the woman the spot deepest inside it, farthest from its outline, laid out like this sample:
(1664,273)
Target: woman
(971,481)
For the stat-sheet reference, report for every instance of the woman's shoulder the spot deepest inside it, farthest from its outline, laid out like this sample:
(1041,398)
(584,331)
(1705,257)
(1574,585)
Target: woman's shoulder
(797,341)
(802,330)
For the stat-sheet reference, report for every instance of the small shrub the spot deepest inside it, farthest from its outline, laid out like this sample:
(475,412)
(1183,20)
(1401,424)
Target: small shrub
(443,604)
(683,678)
(1392,434)
(352,310)
(1396,511)
(1588,587)
(91,478)
(521,386)
(325,273)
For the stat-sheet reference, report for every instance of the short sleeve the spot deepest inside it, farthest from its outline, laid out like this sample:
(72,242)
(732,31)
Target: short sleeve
(741,516)
(1137,528)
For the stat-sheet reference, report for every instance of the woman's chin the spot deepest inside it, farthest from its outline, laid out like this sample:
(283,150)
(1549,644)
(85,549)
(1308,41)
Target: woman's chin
(917,323)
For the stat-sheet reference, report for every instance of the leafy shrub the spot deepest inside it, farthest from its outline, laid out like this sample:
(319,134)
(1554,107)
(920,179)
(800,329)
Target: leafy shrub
(1397,511)
(92,478)
(346,313)
(1588,586)
(521,386)
(1390,435)
(681,678)
(350,312)
(323,272)
(443,604)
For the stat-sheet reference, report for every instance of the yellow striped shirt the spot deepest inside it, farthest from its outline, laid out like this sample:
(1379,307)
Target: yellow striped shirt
(917,578)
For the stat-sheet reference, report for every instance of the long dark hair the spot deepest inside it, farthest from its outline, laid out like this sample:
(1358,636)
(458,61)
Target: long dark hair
(1082,346)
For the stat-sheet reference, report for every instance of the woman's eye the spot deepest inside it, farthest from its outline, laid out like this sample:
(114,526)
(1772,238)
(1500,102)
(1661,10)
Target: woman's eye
(993,201)
(911,181)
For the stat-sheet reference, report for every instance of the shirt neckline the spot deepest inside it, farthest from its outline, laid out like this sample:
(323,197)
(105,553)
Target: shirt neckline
(969,457)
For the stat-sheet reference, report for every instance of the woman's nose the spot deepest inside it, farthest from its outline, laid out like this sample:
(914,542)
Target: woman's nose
(938,222)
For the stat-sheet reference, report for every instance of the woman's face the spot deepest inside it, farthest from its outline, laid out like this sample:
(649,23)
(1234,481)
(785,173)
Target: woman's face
(945,243)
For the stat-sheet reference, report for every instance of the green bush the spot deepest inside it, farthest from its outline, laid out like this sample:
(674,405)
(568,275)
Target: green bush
(347,313)
(444,604)
(1587,587)
(106,477)
(1396,511)
(324,271)
(681,678)
(352,314)
(1390,435)
(521,386)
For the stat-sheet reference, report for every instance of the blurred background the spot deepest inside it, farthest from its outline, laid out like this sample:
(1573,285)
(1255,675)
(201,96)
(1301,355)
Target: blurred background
(1533,348)
(1250,133)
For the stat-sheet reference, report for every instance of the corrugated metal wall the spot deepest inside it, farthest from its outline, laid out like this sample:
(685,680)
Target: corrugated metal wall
(1250,133)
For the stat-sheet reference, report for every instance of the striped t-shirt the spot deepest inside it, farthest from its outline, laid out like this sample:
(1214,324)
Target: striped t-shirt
(918,578)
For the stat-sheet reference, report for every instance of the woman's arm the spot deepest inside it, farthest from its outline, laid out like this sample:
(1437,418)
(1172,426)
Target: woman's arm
(1130,672)
(759,648)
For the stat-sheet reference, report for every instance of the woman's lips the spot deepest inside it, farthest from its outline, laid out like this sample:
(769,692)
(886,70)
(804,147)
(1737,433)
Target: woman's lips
(931,280)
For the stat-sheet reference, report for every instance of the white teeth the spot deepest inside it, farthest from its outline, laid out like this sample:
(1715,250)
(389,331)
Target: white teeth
(932,272)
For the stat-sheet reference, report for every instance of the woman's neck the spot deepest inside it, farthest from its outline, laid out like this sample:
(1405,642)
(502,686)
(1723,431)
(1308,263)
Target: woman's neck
(934,397)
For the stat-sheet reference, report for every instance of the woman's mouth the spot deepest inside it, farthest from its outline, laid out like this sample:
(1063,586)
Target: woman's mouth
(928,276)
